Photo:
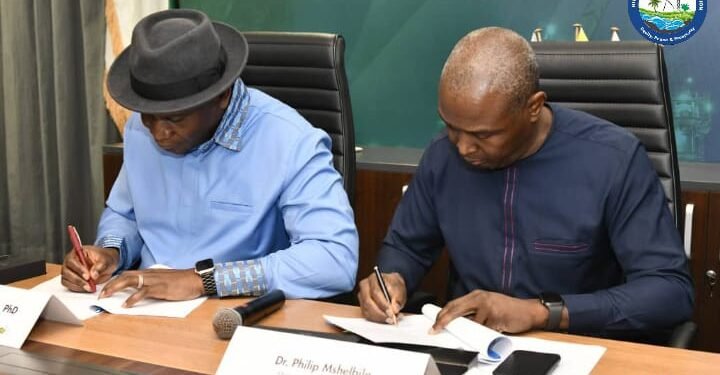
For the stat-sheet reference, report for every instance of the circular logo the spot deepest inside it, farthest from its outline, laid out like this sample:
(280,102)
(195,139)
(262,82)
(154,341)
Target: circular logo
(667,21)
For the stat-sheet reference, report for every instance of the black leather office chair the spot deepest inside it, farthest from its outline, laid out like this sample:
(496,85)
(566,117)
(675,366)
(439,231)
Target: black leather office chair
(622,82)
(625,83)
(307,72)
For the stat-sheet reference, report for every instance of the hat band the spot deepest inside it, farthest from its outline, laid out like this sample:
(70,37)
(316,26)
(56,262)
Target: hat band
(180,89)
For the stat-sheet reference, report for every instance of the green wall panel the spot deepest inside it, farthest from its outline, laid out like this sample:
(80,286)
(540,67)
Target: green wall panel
(396,48)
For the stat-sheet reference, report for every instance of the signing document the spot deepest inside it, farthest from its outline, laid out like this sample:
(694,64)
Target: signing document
(71,307)
(465,334)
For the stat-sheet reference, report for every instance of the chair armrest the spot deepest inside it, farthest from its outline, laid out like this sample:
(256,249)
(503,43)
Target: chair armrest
(683,335)
(687,235)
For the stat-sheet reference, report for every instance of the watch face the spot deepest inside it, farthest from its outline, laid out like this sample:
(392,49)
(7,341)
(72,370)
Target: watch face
(204,264)
(550,298)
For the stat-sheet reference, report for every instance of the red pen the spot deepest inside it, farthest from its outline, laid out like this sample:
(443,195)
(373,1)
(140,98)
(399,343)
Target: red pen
(77,246)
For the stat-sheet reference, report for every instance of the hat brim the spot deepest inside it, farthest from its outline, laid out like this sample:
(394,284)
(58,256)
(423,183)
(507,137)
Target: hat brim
(118,78)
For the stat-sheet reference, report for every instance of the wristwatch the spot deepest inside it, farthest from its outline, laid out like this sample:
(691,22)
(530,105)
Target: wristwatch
(206,270)
(555,304)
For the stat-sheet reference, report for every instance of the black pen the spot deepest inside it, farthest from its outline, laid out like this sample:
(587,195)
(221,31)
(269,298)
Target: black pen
(381,281)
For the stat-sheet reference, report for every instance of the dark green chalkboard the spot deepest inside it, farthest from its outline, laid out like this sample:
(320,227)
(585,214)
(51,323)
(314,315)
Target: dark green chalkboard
(396,48)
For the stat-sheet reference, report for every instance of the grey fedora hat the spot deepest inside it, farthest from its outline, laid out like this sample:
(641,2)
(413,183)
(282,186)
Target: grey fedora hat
(177,60)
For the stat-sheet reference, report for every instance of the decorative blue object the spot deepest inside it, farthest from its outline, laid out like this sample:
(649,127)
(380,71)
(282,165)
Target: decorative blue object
(667,27)
(662,23)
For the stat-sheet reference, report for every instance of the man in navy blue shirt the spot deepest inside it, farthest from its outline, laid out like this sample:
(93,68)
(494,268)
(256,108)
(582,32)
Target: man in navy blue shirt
(553,219)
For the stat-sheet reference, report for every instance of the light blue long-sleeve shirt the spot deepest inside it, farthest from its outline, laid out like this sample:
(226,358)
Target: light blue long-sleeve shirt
(263,190)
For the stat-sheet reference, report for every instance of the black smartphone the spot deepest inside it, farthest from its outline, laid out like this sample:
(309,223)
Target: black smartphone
(524,362)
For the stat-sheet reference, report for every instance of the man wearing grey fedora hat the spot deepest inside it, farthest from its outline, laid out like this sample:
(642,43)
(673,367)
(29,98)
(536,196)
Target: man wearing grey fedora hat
(232,189)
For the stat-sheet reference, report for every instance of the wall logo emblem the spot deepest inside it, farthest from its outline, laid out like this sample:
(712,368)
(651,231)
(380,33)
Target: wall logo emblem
(667,21)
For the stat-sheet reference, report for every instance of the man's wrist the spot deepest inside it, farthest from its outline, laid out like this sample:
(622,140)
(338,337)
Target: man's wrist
(117,243)
(114,254)
(198,285)
(539,313)
(555,306)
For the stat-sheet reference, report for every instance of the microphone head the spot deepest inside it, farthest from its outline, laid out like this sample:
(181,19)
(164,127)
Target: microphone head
(225,322)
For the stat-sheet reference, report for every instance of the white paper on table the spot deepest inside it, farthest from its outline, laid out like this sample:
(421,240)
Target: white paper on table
(461,333)
(85,305)
(472,336)
(491,346)
(575,359)
(411,329)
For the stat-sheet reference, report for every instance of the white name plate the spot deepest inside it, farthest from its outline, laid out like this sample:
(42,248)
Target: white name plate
(19,310)
(260,351)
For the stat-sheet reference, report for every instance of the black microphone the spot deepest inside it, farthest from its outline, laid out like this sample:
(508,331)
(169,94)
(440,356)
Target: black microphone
(226,320)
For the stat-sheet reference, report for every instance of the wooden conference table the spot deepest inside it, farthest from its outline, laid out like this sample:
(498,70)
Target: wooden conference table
(169,345)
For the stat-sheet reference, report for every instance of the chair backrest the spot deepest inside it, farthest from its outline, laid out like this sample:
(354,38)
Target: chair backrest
(622,82)
(307,72)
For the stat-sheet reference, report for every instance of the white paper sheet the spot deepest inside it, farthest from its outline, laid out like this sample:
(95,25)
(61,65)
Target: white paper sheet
(491,345)
(461,333)
(85,305)
(411,329)
(576,359)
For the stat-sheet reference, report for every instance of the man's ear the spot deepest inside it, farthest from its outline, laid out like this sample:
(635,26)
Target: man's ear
(225,98)
(535,104)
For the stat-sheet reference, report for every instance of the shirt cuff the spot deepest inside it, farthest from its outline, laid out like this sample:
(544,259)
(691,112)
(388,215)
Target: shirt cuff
(241,278)
(585,313)
(118,243)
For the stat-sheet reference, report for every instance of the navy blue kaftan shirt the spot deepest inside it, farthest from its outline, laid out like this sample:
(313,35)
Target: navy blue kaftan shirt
(585,216)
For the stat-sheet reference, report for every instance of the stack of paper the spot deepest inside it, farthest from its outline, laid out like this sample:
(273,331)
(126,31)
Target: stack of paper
(72,308)
(462,333)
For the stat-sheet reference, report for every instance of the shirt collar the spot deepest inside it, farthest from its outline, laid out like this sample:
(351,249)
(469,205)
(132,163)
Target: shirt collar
(228,132)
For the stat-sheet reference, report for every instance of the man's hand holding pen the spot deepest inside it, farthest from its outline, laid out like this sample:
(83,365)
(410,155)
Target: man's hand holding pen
(373,302)
(172,285)
(76,277)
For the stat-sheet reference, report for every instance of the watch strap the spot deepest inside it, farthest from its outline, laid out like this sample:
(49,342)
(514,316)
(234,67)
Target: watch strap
(554,303)
(208,280)
(206,270)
